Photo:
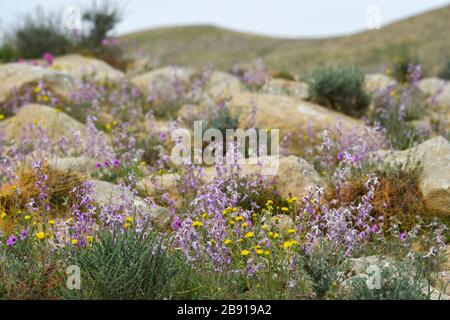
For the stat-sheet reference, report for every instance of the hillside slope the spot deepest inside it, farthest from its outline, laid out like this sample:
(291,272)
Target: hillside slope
(426,36)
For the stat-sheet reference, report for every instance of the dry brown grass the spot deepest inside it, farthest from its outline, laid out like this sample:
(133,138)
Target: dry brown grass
(60,184)
(397,196)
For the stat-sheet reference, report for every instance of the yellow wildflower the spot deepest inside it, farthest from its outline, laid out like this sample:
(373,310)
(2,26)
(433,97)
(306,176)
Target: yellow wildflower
(259,251)
(287,244)
(249,235)
(245,252)
(37,90)
(90,239)
(267,252)
(265,227)
(244,224)
(2,116)
(3,214)
(127,225)
(45,98)
(51,222)
(270,234)
(204,215)
(231,222)
(239,218)
(129,219)
(276,235)
(293,199)
(197,224)
(40,235)
(27,217)
(227,241)
(291,231)
(74,242)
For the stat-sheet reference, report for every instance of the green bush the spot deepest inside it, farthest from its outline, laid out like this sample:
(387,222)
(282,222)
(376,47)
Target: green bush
(340,89)
(42,32)
(399,281)
(123,265)
(39,33)
(445,72)
(101,18)
(401,64)
(322,266)
(7,53)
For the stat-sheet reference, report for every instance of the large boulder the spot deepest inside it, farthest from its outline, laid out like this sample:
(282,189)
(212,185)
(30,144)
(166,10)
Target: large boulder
(82,164)
(79,67)
(223,85)
(434,180)
(437,89)
(55,123)
(293,176)
(163,82)
(289,115)
(375,82)
(14,76)
(107,193)
(283,87)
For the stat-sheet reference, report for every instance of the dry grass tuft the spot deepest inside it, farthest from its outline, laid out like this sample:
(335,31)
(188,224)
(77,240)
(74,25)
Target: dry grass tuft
(60,184)
(397,196)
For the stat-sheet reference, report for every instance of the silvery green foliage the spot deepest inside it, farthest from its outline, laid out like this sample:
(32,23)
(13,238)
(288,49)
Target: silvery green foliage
(398,281)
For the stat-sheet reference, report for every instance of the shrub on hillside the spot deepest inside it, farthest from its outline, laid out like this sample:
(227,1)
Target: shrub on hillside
(39,33)
(42,32)
(340,89)
(7,53)
(401,64)
(445,72)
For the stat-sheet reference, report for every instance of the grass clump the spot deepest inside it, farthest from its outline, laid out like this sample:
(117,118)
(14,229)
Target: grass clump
(340,89)
(445,72)
(123,265)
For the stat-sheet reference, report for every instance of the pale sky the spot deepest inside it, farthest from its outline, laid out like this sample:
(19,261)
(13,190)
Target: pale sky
(286,18)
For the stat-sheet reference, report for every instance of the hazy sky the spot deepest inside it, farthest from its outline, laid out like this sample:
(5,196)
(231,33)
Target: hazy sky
(291,18)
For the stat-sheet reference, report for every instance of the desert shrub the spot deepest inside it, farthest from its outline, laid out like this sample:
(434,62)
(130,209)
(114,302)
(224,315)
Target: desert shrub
(340,89)
(322,267)
(399,281)
(222,119)
(101,18)
(395,107)
(445,72)
(42,32)
(39,33)
(123,265)
(401,64)
(7,53)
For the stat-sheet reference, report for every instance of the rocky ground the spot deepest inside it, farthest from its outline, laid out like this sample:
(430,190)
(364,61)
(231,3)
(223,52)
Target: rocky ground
(82,121)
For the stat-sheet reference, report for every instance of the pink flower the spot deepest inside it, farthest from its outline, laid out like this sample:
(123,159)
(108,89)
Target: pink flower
(48,57)
(176,223)
(403,236)
(116,163)
(374,228)
(11,241)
